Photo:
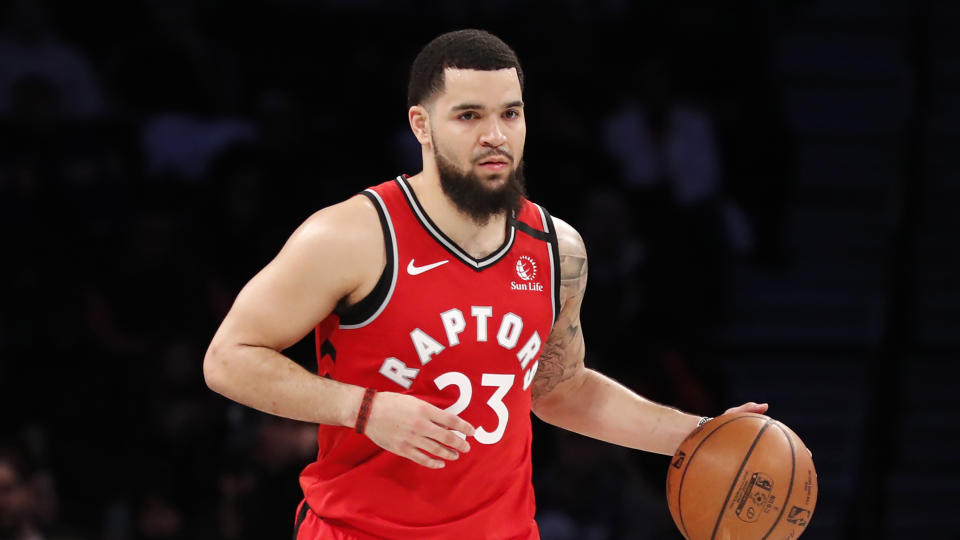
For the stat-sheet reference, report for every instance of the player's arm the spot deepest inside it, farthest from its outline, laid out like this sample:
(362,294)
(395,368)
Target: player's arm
(338,253)
(569,395)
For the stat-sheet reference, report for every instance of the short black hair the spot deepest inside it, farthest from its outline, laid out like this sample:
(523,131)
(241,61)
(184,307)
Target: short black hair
(461,49)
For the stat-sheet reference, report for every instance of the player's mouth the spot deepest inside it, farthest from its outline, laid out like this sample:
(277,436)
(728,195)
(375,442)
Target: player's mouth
(494,164)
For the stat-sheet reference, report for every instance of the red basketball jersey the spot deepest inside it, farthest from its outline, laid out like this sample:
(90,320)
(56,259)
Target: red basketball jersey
(463,334)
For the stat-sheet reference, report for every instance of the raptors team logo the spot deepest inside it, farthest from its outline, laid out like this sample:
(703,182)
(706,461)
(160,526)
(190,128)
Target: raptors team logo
(526,268)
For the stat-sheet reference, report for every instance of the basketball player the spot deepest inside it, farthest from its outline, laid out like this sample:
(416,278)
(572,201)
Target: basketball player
(446,308)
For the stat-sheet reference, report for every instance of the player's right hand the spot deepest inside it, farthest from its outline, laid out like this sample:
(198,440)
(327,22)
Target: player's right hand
(409,427)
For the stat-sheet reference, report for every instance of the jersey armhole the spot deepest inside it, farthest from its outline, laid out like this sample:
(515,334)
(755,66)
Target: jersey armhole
(553,246)
(367,309)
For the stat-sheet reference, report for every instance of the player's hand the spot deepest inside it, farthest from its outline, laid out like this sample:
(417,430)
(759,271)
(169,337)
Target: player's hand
(759,408)
(408,427)
(751,407)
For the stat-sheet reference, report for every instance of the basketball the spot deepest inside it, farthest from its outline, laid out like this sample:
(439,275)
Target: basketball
(742,476)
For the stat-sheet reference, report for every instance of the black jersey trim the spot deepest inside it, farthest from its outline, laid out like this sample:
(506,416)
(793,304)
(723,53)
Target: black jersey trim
(524,228)
(553,246)
(446,242)
(367,309)
(327,349)
(301,516)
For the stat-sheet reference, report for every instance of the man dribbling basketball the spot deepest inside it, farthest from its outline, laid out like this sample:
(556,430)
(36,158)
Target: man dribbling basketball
(446,308)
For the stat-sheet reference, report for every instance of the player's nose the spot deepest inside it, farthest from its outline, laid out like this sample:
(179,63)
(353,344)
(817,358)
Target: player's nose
(493,133)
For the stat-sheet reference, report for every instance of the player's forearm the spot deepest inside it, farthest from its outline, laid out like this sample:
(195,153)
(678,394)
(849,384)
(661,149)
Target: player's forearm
(597,406)
(266,380)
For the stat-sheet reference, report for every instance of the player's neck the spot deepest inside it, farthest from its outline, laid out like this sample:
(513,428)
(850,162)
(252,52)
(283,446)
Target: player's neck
(476,239)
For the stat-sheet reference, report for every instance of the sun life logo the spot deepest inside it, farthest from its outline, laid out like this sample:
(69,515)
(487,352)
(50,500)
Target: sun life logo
(526,268)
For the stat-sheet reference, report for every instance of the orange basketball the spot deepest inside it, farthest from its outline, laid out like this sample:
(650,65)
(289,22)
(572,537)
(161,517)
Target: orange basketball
(742,476)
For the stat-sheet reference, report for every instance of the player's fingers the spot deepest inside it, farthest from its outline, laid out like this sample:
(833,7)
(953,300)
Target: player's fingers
(452,421)
(751,407)
(429,445)
(415,455)
(449,438)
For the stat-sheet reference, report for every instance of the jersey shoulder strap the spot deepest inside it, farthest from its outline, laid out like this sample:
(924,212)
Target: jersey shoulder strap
(534,221)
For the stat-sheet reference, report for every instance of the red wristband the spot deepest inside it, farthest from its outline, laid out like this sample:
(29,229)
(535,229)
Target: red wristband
(364,413)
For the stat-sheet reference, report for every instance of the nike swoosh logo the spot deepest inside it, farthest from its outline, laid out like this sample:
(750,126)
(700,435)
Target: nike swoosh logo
(416,270)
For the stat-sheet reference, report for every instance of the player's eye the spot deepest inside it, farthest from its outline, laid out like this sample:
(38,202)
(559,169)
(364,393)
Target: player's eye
(469,115)
(512,114)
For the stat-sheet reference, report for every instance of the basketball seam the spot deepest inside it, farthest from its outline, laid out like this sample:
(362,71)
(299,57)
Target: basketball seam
(737,477)
(793,474)
(683,476)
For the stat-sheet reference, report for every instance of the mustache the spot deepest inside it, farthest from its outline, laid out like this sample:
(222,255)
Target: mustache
(493,152)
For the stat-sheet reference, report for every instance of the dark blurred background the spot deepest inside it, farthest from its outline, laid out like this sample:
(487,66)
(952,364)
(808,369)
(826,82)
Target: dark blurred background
(767,190)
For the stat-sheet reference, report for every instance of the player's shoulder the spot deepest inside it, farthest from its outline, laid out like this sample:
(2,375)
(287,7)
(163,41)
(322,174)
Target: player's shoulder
(573,263)
(350,227)
(355,214)
(569,241)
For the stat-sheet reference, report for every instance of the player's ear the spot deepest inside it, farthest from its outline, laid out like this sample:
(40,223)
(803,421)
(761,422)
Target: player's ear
(420,123)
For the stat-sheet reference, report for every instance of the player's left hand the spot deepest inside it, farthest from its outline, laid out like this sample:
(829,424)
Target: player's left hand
(751,407)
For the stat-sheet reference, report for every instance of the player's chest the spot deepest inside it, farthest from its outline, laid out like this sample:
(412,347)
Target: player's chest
(465,323)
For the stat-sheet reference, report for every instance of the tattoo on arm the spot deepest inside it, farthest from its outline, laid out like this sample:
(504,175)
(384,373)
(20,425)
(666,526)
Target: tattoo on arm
(563,352)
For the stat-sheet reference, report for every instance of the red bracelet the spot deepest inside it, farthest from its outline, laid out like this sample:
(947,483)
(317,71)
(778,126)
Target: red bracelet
(364,413)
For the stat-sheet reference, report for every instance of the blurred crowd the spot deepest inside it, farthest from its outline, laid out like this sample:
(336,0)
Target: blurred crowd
(156,154)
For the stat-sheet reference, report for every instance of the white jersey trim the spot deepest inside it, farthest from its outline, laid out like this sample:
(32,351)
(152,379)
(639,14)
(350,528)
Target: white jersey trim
(441,238)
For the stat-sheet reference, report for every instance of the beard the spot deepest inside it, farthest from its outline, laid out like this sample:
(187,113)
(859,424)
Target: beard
(472,197)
